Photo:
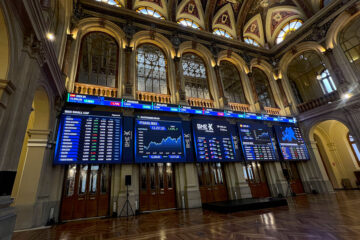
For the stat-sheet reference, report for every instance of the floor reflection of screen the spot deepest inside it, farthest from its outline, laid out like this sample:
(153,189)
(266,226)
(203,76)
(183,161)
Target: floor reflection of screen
(159,141)
(292,144)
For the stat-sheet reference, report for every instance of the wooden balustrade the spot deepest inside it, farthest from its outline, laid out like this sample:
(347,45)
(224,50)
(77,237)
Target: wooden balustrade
(272,111)
(239,107)
(200,102)
(89,89)
(153,97)
(331,97)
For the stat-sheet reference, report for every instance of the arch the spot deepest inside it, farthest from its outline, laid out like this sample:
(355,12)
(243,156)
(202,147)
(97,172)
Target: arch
(86,26)
(4,47)
(154,38)
(332,35)
(228,22)
(160,6)
(193,10)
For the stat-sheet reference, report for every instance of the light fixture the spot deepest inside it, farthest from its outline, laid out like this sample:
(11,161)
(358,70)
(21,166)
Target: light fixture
(346,96)
(318,77)
(50,36)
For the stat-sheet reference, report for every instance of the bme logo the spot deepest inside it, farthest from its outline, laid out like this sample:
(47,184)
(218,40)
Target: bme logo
(205,127)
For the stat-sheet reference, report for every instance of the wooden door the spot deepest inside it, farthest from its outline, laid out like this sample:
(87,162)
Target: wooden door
(157,186)
(255,175)
(294,177)
(86,192)
(212,182)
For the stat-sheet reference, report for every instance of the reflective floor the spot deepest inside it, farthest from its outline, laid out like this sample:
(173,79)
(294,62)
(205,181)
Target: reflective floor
(328,216)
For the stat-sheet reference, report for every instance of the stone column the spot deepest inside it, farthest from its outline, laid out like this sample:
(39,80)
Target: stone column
(284,99)
(66,63)
(276,180)
(128,81)
(191,188)
(291,101)
(254,93)
(222,99)
(180,86)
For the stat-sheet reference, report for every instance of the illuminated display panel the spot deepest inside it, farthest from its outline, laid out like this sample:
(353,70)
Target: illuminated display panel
(213,141)
(125,103)
(291,143)
(158,140)
(88,137)
(256,142)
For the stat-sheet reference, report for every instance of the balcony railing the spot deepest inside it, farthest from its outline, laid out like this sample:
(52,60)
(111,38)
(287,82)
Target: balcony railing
(239,107)
(88,89)
(272,111)
(153,97)
(331,97)
(200,102)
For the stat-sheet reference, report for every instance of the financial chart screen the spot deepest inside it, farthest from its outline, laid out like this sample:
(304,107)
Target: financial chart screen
(291,143)
(88,137)
(256,142)
(158,141)
(213,141)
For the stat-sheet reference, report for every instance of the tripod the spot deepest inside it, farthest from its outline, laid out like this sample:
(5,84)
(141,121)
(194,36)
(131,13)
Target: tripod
(127,204)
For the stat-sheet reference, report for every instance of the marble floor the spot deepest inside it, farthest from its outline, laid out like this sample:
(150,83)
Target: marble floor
(323,216)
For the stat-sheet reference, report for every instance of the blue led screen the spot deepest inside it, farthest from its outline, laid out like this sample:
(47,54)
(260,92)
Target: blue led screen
(256,142)
(88,137)
(158,140)
(213,141)
(291,142)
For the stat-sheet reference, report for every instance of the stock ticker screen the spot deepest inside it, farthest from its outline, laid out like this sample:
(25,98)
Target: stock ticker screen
(213,141)
(158,140)
(256,142)
(88,137)
(291,142)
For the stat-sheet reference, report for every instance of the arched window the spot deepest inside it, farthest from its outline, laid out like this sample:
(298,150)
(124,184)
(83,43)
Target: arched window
(230,77)
(195,76)
(350,43)
(288,28)
(263,89)
(326,82)
(111,2)
(150,11)
(98,60)
(222,32)
(151,69)
(311,80)
(188,23)
(354,148)
(251,41)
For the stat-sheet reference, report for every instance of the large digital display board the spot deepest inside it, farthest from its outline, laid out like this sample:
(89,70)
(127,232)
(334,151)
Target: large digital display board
(158,140)
(291,143)
(213,141)
(88,137)
(256,142)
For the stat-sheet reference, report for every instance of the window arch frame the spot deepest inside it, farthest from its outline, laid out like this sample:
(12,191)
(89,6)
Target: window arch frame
(327,77)
(207,80)
(241,82)
(288,31)
(180,20)
(80,60)
(116,2)
(222,33)
(138,10)
(166,68)
(352,143)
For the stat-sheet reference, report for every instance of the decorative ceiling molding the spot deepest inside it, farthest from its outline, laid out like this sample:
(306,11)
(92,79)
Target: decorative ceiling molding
(254,29)
(158,5)
(225,19)
(191,9)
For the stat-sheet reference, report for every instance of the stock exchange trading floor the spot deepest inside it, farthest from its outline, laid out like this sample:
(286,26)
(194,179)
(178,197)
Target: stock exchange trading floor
(323,216)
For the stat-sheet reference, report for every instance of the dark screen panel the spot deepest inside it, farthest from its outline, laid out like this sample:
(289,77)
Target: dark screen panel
(256,142)
(213,141)
(292,144)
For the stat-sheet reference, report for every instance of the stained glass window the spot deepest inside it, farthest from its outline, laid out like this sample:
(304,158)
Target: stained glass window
(150,11)
(263,88)
(251,41)
(151,69)
(230,77)
(111,2)
(98,60)
(188,23)
(195,75)
(288,28)
(222,32)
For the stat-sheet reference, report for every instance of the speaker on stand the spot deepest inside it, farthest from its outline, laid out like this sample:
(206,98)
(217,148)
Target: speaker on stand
(127,204)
